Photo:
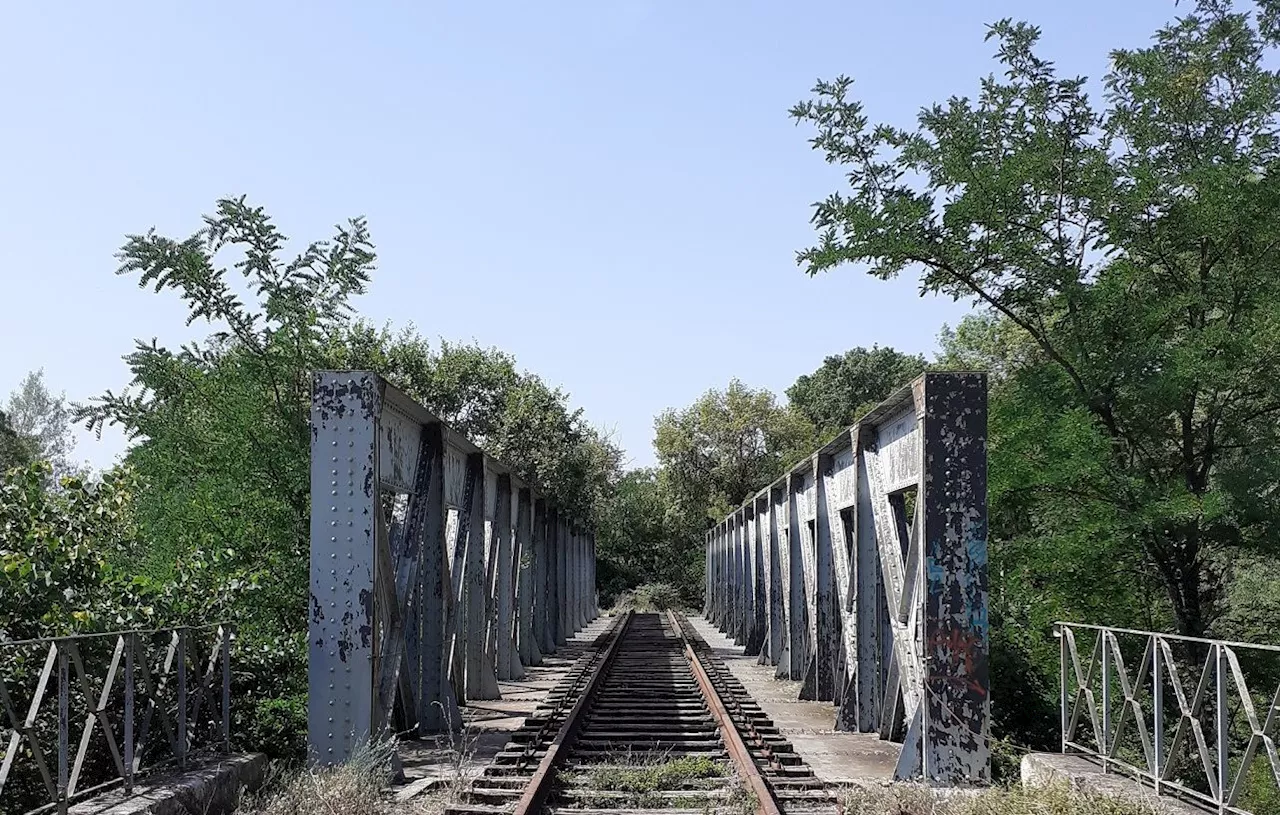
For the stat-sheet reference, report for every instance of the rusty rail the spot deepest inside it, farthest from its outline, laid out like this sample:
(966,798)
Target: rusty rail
(539,786)
(738,751)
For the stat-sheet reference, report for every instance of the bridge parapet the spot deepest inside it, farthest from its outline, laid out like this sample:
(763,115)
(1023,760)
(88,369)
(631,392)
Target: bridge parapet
(1176,713)
(436,570)
(88,713)
(862,572)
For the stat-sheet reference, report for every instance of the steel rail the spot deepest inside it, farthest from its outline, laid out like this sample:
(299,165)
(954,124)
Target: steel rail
(539,786)
(738,751)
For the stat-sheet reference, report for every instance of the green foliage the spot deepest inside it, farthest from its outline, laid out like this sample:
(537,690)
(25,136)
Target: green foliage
(43,422)
(514,415)
(727,445)
(649,597)
(711,457)
(1133,247)
(59,572)
(15,451)
(276,726)
(218,522)
(641,540)
(847,386)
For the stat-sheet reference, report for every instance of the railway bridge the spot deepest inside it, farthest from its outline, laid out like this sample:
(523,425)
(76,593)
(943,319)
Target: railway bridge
(444,586)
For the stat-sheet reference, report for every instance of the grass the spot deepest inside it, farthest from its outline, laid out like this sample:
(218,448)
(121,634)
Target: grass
(354,788)
(687,772)
(358,787)
(904,799)
(687,782)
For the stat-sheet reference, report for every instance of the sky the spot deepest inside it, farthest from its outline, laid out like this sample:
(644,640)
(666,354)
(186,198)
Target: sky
(610,191)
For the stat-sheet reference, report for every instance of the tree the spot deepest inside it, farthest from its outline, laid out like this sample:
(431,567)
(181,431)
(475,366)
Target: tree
(44,422)
(513,414)
(641,540)
(15,451)
(1134,244)
(846,386)
(727,445)
(222,431)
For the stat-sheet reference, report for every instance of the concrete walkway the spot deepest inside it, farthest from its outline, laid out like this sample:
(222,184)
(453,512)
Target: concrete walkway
(837,757)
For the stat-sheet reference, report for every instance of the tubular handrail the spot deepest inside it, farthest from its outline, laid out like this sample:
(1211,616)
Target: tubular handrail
(161,677)
(1144,704)
(1175,637)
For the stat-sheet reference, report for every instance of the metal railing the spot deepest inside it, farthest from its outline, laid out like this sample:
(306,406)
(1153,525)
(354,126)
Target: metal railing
(140,700)
(1126,702)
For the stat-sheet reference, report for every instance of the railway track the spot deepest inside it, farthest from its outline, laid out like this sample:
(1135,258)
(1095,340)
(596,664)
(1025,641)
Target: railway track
(649,719)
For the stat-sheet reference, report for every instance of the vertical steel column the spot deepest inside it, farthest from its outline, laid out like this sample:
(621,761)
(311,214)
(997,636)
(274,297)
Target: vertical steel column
(759,584)
(575,602)
(508,666)
(826,624)
(527,636)
(182,712)
(743,594)
(343,508)
(867,600)
(709,578)
(581,580)
(481,681)
(763,536)
(545,601)
(558,592)
(954,494)
(779,518)
(776,610)
(798,605)
(64,723)
(717,576)
(225,645)
(131,645)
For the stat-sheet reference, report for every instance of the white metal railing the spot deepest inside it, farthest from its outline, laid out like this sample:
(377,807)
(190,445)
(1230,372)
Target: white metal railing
(147,710)
(1125,701)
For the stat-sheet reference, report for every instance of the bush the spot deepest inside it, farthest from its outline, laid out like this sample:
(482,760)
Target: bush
(277,727)
(649,597)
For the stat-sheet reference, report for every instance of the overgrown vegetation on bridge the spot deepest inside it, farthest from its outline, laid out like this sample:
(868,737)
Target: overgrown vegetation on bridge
(1123,255)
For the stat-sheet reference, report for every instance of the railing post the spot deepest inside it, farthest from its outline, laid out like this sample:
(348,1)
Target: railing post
(181,634)
(1157,714)
(63,721)
(226,688)
(1222,723)
(130,640)
(1105,737)
(1062,685)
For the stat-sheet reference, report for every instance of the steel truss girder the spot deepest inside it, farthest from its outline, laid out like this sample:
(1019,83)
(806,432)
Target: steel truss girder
(436,570)
(862,573)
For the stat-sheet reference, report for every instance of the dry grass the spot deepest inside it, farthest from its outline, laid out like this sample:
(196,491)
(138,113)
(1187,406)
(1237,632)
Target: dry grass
(359,787)
(903,799)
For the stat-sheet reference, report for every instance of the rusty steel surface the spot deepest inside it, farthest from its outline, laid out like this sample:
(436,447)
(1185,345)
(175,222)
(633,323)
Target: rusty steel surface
(436,570)
(862,573)
(650,691)
(539,785)
(734,745)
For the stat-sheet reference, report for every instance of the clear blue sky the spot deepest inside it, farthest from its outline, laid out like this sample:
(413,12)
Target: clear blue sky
(611,191)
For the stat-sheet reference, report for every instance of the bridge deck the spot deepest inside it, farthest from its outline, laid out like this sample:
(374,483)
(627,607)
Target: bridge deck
(836,757)
(489,723)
